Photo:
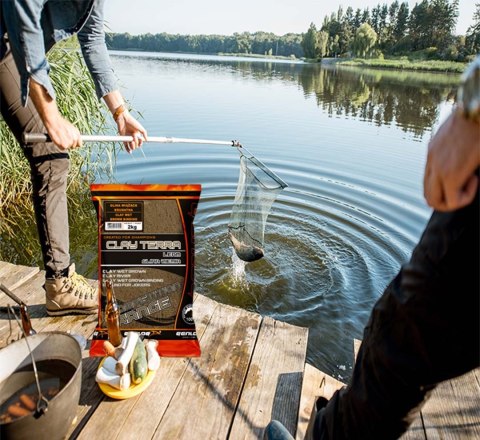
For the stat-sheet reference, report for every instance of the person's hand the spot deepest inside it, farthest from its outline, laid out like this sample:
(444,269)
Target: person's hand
(129,126)
(450,181)
(63,133)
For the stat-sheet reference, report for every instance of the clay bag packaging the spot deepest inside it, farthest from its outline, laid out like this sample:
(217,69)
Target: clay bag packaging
(146,248)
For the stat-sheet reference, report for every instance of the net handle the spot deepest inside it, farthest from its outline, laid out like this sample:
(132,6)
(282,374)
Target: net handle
(32,138)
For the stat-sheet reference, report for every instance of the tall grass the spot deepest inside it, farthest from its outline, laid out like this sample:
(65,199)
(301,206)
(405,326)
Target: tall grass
(78,103)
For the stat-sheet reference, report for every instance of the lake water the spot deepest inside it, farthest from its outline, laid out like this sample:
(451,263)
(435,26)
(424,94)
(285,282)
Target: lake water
(351,144)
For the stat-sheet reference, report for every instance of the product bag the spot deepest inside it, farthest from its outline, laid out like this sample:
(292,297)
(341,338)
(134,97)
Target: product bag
(146,249)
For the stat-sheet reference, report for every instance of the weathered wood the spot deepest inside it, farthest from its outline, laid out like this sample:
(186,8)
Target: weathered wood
(116,418)
(214,381)
(33,294)
(273,384)
(250,372)
(13,276)
(315,384)
(453,410)
(30,292)
(90,396)
(416,431)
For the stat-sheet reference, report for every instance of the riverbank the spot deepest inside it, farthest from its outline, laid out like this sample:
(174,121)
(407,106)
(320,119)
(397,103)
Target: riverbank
(401,64)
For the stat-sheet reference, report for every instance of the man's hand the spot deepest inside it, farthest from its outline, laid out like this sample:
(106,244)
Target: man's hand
(62,133)
(129,126)
(450,181)
(126,123)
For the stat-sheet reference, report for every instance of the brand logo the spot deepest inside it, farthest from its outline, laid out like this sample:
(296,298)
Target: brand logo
(187,314)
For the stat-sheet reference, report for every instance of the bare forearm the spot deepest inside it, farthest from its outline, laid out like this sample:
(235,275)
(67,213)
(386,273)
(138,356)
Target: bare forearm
(62,132)
(127,125)
(45,105)
(113,100)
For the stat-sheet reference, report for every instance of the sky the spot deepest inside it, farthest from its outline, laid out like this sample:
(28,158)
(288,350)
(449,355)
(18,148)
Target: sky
(226,17)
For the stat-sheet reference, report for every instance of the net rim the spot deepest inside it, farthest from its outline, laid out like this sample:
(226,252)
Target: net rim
(263,167)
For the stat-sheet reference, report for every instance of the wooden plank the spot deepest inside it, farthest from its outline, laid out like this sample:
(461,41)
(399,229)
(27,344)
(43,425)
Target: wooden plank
(315,384)
(453,409)
(13,276)
(90,395)
(204,402)
(416,431)
(33,294)
(117,418)
(30,292)
(273,386)
(4,267)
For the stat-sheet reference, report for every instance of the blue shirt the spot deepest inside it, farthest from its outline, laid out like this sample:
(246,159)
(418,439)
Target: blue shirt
(34,26)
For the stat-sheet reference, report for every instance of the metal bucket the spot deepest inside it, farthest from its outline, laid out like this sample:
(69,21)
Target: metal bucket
(49,347)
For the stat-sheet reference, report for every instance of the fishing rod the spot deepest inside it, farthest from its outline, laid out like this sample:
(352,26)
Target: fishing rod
(31,138)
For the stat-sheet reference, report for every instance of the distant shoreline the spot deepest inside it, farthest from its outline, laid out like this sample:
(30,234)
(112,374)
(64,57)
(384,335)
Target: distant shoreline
(399,64)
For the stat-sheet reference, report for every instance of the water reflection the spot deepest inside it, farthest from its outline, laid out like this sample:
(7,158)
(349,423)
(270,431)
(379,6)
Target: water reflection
(409,100)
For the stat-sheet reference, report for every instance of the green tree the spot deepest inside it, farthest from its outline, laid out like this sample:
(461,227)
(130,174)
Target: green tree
(432,23)
(401,24)
(376,18)
(309,42)
(357,21)
(472,37)
(347,31)
(334,45)
(366,16)
(322,41)
(364,41)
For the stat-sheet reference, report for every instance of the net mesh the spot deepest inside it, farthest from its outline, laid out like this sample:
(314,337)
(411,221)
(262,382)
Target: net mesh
(257,189)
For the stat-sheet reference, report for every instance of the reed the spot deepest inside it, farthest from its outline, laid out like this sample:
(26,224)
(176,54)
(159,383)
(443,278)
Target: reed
(78,103)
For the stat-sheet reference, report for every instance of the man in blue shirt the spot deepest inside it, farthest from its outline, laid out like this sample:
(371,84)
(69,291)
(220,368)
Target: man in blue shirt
(28,29)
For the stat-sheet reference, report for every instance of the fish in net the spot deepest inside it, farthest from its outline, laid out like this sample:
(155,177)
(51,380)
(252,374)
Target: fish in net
(257,189)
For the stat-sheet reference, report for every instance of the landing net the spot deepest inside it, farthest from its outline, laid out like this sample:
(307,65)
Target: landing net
(257,189)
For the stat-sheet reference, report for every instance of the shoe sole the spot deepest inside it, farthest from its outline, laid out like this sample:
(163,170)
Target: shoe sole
(62,312)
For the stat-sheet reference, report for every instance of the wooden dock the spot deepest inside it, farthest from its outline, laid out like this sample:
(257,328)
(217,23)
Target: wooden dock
(252,370)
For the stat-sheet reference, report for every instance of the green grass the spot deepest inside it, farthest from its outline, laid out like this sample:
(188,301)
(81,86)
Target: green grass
(78,103)
(404,63)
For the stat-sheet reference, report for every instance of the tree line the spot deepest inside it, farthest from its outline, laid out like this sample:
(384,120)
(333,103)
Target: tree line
(261,43)
(386,29)
(392,29)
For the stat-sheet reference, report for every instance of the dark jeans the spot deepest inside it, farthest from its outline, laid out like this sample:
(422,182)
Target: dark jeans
(423,330)
(49,169)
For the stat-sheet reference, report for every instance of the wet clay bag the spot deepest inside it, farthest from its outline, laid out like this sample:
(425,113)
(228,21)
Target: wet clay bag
(146,249)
